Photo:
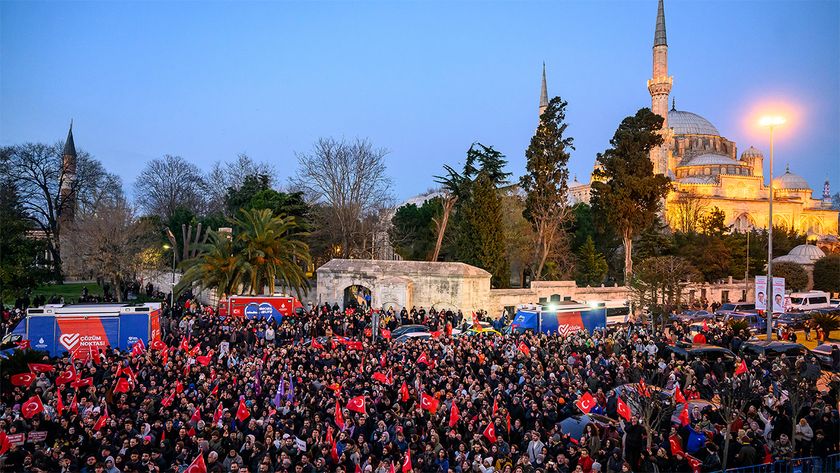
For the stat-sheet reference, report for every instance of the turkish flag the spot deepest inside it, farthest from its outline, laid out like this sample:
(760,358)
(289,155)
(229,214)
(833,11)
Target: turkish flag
(23,345)
(404,392)
(357,404)
(197,466)
(242,412)
(334,452)
(705,325)
(406,466)
(122,386)
(424,359)
(741,369)
(67,376)
(317,344)
(218,414)
(41,368)
(684,420)
(101,421)
(185,344)
(428,403)
(22,379)
(179,387)
(694,463)
(676,444)
(678,395)
(158,345)
(643,390)
(74,405)
(204,360)
(167,401)
(79,383)
(392,469)
(495,406)
(490,433)
(386,334)
(381,377)
(138,348)
(59,403)
(454,415)
(5,445)
(32,406)
(585,403)
(196,415)
(339,416)
(524,349)
(623,409)
(507,418)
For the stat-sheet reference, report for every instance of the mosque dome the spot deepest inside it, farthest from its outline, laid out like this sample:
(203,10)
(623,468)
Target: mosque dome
(752,152)
(711,159)
(790,181)
(802,254)
(687,123)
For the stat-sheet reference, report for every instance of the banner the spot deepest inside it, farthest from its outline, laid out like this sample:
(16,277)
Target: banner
(761,302)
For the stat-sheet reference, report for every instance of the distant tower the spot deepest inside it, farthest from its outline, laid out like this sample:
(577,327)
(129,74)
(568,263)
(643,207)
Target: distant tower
(660,87)
(543,94)
(68,179)
(827,191)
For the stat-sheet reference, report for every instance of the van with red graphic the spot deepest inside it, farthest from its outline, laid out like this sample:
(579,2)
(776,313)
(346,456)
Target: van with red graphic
(261,307)
(81,329)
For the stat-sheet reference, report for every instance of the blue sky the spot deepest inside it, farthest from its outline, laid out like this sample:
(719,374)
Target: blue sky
(208,80)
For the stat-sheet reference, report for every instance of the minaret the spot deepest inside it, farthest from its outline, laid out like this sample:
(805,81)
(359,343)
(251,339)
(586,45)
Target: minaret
(543,94)
(660,87)
(827,191)
(68,179)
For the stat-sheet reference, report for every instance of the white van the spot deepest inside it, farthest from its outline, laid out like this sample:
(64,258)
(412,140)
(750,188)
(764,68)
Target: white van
(809,300)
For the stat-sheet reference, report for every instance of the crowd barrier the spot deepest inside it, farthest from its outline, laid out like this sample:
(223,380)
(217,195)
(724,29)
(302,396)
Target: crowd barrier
(830,464)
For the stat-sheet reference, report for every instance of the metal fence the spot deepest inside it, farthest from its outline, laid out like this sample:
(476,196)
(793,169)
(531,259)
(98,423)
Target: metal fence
(830,464)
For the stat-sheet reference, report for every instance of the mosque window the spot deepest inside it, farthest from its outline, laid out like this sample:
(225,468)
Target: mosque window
(707,171)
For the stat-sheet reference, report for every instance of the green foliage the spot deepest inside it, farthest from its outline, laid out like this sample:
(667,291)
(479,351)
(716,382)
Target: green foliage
(625,192)
(480,241)
(591,266)
(655,240)
(827,273)
(256,193)
(713,223)
(828,322)
(584,225)
(413,230)
(796,278)
(708,253)
(19,253)
(658,282)
(785,239)
(739,325)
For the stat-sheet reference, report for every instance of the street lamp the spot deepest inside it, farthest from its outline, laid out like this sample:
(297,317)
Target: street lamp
(172,287)
(770,122)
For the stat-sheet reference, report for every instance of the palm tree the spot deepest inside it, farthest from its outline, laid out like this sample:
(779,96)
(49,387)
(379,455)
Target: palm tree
(217,266)
(272,250)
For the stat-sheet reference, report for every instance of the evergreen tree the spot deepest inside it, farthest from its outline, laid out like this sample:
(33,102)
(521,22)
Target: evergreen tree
(545,184)
(412,232)
(481,240)
(827,273)
(796,278)
(591,266)
(626,193)
(20,270)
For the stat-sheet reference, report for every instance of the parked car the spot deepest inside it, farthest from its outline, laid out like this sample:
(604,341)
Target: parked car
(404,329)
(731,307)
(811,300)
(834,303)
(693,316)
(412,336)
(772,348)
(794,320)
(696,351)
(823,354)
(756,322)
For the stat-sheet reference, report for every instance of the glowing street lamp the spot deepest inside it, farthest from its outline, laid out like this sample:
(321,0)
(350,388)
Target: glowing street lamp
(770,122)
(172,287)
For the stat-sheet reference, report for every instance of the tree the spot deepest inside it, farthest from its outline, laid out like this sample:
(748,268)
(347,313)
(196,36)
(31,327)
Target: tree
(349,182)
(20,268)
(545,183)
(686,212)
(168,183)
(38,173)
(827,273)
(231,175)
(273,250)
(480,238)
(591,266)
(625,191)
(519,238)
(796,278)
(412,232)
(659,283)
(107,244)
(735,393)
(713,223)
(218,267)
(254,192)
(584,225)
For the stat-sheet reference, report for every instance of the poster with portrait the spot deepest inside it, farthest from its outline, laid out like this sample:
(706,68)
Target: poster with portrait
(761,302)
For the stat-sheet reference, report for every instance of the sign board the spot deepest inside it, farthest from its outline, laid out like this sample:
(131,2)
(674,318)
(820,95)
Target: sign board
(16,439)
(761,302)
(37,436)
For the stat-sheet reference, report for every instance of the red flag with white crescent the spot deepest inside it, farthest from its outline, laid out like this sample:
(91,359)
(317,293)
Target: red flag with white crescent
(197,466)
(357,404)
(23,379)
(32,407)
(454,415)
(339,416)
(585,403)
(623,409)
(490,432)
(678,395)
(428,403)
(406,466)
(242,411)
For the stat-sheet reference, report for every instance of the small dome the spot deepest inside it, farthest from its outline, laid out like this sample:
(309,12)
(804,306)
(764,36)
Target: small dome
(712,159)
(687,123)
(752,152)
(790,181)
(802,254)
(698,180)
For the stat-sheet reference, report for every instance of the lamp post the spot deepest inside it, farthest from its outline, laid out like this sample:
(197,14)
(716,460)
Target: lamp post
(771,123)
(172,286)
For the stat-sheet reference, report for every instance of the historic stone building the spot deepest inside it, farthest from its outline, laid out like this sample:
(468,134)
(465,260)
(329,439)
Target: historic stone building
(707,171)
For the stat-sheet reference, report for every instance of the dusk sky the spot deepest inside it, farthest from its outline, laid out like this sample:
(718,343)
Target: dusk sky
(209,80)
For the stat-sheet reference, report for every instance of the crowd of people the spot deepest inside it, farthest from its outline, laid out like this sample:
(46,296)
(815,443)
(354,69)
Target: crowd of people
(316,393)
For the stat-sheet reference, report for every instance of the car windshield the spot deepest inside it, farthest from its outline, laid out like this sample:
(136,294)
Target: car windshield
(796,300)
(727,307)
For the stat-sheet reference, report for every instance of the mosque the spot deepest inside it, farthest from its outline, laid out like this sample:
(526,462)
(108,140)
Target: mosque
(707,172)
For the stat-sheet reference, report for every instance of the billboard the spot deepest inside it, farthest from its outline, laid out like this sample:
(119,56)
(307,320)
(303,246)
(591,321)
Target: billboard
(560,321)
(85,335)
(761,302)
(265,307)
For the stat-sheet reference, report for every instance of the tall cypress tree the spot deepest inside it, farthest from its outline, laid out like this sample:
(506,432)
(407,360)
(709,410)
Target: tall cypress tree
(481,241)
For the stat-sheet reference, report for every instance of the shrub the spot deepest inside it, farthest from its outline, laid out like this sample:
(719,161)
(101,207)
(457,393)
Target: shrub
(796,279)
(827,274)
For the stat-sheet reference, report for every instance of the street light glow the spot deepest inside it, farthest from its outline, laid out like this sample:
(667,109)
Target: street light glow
(771,121)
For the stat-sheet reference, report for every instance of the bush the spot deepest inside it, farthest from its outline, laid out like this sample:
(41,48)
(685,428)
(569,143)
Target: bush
(739,326)
(796,279)
(828,322)
(827,274)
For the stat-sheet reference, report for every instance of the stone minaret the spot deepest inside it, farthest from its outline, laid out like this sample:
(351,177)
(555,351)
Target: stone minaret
(543,94)
(660,87)
(68,180)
